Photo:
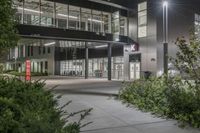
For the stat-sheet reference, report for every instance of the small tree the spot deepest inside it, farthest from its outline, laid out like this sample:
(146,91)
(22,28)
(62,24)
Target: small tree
(8,32)
(187,59)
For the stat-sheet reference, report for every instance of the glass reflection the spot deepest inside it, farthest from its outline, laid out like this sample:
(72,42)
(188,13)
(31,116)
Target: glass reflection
(31,12)
(86,15)
(47,13)
(62,15)
(74,17)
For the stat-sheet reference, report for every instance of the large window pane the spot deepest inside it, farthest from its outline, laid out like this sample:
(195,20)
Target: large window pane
(61,15)
(123,26)
(19,6)
(106,22)
(97,21)
(115,23)
(86,24)
(47,13)
(74,17)
(31,12)
(142,6)
(142,31)
(142,19)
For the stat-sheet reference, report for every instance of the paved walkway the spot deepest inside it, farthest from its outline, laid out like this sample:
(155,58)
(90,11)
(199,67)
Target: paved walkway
(109,115)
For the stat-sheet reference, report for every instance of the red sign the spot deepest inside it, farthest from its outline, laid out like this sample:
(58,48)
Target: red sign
(134,47)
(28,70)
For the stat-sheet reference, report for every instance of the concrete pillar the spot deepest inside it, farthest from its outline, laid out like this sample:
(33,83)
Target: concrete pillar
(86,60)
(109,61)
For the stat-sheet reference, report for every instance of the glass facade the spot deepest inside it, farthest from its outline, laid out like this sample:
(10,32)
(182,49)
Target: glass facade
(72,60)
(98,67)
(52,14)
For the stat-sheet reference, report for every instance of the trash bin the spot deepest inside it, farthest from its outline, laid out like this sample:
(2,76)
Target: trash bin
(147,74)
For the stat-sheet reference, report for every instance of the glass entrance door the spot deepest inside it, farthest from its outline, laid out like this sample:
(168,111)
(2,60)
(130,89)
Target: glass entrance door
(134,70)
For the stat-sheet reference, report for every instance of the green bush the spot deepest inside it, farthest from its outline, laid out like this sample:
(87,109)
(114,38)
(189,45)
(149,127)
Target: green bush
(29,108)
(171,98)
(147,95)
(183,101)
(15,73)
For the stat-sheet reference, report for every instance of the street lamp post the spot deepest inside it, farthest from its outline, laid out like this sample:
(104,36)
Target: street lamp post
(165,36)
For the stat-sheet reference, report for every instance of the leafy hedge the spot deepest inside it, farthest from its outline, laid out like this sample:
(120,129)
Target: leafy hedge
(15,73)
(29,108)
(172,98)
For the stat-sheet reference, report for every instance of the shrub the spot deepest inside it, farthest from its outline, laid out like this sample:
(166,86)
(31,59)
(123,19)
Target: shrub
(147,95)
(29,108)
(171,98)
(16,73)
(183,101)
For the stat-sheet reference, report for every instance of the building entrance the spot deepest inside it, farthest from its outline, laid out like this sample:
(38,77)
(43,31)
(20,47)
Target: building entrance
(135,66)
(134,70)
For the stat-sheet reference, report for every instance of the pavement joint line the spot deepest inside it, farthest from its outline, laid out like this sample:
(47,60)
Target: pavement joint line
(130,125)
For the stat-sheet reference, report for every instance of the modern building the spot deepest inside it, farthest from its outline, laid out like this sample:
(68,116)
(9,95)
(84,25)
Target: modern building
(114,39)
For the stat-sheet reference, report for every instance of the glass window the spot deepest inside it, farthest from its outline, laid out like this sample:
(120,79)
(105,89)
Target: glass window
(142,19)
(123,26)
(74,17)
(44,49)
(86,15)
(39,50)
(142,31)
(142,6)
(106,22)
(97,22)
(61,15)
(47,13)
(115,23)
(49,50)
(117,67)
(31,12)
(19,6)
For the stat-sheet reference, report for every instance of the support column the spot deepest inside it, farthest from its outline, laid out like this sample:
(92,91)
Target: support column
(86,60)
(109,61)
(165,58)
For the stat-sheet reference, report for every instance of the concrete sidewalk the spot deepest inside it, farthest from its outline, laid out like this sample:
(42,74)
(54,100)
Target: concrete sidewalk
(110,115)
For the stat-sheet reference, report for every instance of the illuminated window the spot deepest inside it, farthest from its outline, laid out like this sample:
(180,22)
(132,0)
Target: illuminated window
(142,19)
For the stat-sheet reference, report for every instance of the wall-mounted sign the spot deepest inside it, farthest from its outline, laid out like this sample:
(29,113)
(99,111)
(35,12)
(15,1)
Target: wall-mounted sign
(131,48)
(134,47)
(28,70)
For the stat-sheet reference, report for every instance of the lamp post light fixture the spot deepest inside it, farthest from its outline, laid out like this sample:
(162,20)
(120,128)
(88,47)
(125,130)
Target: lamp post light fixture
(165,36)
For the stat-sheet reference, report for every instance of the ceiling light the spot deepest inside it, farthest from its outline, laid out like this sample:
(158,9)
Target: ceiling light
(63,15)
(101,46)
(49,44)
(29,10)
(95,20)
